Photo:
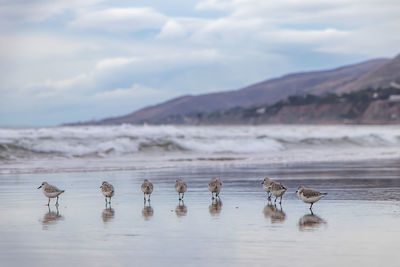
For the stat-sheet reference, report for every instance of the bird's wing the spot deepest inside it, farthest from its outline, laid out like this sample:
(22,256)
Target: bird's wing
(52,189)
(277,186)
(310,192)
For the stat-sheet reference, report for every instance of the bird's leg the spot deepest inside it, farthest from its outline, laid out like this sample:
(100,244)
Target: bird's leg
(144,197)
(57,201)
(280,202)
(179,194)
(212,195)
(109,200)
(311,206)
(183,195)
(275,199)
(48,203)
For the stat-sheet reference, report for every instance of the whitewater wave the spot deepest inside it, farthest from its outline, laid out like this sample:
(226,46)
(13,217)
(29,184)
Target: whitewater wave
(109,141)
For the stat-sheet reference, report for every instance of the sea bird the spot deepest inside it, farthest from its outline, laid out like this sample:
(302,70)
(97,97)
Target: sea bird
(309,196)
(108,191)
(50,191)
(215,186)
(277,190)
(266,183)
(180,187)
(147,189)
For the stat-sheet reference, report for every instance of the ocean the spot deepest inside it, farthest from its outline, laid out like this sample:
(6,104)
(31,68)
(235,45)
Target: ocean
(356,224)
(129,147)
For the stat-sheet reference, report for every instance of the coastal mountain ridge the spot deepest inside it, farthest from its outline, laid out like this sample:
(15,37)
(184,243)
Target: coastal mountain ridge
(369,74)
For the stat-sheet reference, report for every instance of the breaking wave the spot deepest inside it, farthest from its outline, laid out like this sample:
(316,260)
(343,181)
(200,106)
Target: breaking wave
(108,141)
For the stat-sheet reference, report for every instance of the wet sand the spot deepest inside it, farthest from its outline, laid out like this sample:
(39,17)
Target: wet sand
(355,225)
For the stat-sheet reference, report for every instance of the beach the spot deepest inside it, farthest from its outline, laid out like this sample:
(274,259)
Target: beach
(355,224)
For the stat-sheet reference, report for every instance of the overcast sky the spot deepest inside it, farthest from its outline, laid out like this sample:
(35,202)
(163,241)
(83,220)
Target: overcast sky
(64,61)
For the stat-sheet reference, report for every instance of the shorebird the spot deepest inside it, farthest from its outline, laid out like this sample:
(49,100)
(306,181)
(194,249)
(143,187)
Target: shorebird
(215,186)
(180,187)
(266,183)
(309,196)
(147,189)
(277,190)
(108,191)
(50,191)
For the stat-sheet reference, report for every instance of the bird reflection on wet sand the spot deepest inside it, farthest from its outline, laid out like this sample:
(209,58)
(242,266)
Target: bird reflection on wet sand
(181,209)
(310,222)
(215,207)
(147,211)
(108,214)
(275,214)
(51,217)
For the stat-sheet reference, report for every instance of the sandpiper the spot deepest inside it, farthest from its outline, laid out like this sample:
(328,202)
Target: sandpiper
(50,191)
(309,196)
(215,186)
(108,191)
(147,189)
(266,183)
(277,190)
(180,187)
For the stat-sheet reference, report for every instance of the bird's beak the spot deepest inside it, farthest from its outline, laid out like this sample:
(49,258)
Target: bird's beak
(101,186)
(297,191)
(39,187)
(262,182)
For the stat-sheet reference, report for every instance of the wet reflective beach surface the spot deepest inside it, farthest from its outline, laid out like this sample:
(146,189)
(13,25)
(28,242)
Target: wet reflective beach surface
(355,225)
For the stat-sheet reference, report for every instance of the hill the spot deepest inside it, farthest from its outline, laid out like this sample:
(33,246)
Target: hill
(373,73)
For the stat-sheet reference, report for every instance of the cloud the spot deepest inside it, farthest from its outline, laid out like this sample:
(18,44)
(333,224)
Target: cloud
(133,92)
(114,62)
(17,12)
(57,55)
(120,19)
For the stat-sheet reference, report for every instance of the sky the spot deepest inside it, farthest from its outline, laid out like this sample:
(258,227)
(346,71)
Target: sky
(71,60)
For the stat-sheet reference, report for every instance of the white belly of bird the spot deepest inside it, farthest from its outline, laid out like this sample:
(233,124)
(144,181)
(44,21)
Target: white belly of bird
(278,193)
(266,189)
(310,199)
(51,195)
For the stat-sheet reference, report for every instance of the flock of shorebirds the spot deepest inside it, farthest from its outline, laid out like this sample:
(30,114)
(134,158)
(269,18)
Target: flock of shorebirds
(272,188)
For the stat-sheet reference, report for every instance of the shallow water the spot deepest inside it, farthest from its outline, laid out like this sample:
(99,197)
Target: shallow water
(355,225)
